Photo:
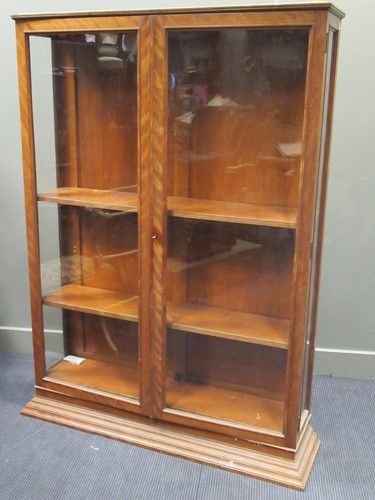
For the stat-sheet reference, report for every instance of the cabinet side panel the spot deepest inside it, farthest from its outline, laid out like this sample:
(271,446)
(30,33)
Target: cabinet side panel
(332,50)
(30,199)
(308,187)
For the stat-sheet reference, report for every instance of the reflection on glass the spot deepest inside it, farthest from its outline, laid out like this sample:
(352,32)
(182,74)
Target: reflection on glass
(90,273)
(235,122)
(230,266)
(95,352)
(236,101)
(226,379)
(229,285)
(84,89)
(97,249)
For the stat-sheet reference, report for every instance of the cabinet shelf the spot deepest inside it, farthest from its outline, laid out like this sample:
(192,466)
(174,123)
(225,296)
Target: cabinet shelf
(232,325)
(122,380)
(95,198)
(202,399)
(225,211)
(190,208)
(94,301)
(225,404)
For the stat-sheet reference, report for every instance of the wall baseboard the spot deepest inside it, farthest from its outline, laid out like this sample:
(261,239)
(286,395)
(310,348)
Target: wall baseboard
(13,339)
(332,362)
(344,363)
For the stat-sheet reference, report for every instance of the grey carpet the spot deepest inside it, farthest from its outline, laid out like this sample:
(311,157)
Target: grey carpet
(39,460)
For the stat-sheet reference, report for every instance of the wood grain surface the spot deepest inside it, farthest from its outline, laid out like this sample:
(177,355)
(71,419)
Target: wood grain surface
(191,208)
(204,320)
(94,301)
(98,375)
(225,404)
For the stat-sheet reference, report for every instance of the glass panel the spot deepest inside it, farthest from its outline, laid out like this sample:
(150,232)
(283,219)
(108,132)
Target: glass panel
(230,286)
(84,89)
(89,272)
(236,101)
(235,122)
(108,346)
(332,39)
(95,248)
(230,380)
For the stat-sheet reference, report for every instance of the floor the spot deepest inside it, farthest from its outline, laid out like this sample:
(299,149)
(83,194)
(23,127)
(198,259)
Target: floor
(39,460)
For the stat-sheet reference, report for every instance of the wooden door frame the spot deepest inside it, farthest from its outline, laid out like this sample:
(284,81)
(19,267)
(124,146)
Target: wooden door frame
(24,29)
(316,22)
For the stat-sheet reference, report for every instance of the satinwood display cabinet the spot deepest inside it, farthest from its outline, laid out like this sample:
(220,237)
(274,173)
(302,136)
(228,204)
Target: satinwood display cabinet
(175,167)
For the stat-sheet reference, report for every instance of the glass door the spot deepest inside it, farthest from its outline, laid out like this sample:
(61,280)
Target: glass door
(235,114)
(86,118)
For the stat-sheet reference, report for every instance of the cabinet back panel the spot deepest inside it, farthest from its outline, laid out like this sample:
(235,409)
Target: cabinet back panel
(100,338)
(227,364)
(107,122)
(96,111)
(109,347)
(110,340)
(231,266)
(234,158)
(109,244)
(97,248)
(260,369)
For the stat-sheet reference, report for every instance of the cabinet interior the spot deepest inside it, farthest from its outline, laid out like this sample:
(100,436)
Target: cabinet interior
(233,163)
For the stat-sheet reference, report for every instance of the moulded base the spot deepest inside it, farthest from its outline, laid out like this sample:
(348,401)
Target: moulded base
(270,465)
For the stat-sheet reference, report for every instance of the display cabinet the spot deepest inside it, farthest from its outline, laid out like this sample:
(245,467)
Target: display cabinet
(175,166)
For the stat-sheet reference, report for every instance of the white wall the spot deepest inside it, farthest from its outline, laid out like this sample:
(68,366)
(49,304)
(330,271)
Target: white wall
(346,324)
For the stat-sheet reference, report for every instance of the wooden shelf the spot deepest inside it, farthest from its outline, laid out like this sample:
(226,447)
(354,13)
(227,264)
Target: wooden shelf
(190,208)
(215,402)
(94,301)
(233,325)
(122,380)
(95,198)
(200,399)
(225,211)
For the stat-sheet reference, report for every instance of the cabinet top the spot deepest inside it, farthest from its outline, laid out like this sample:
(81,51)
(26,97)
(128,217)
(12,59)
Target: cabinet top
(260,7)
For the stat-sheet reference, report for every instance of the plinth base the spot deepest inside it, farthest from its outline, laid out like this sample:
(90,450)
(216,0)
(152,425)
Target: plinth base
(156,436)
